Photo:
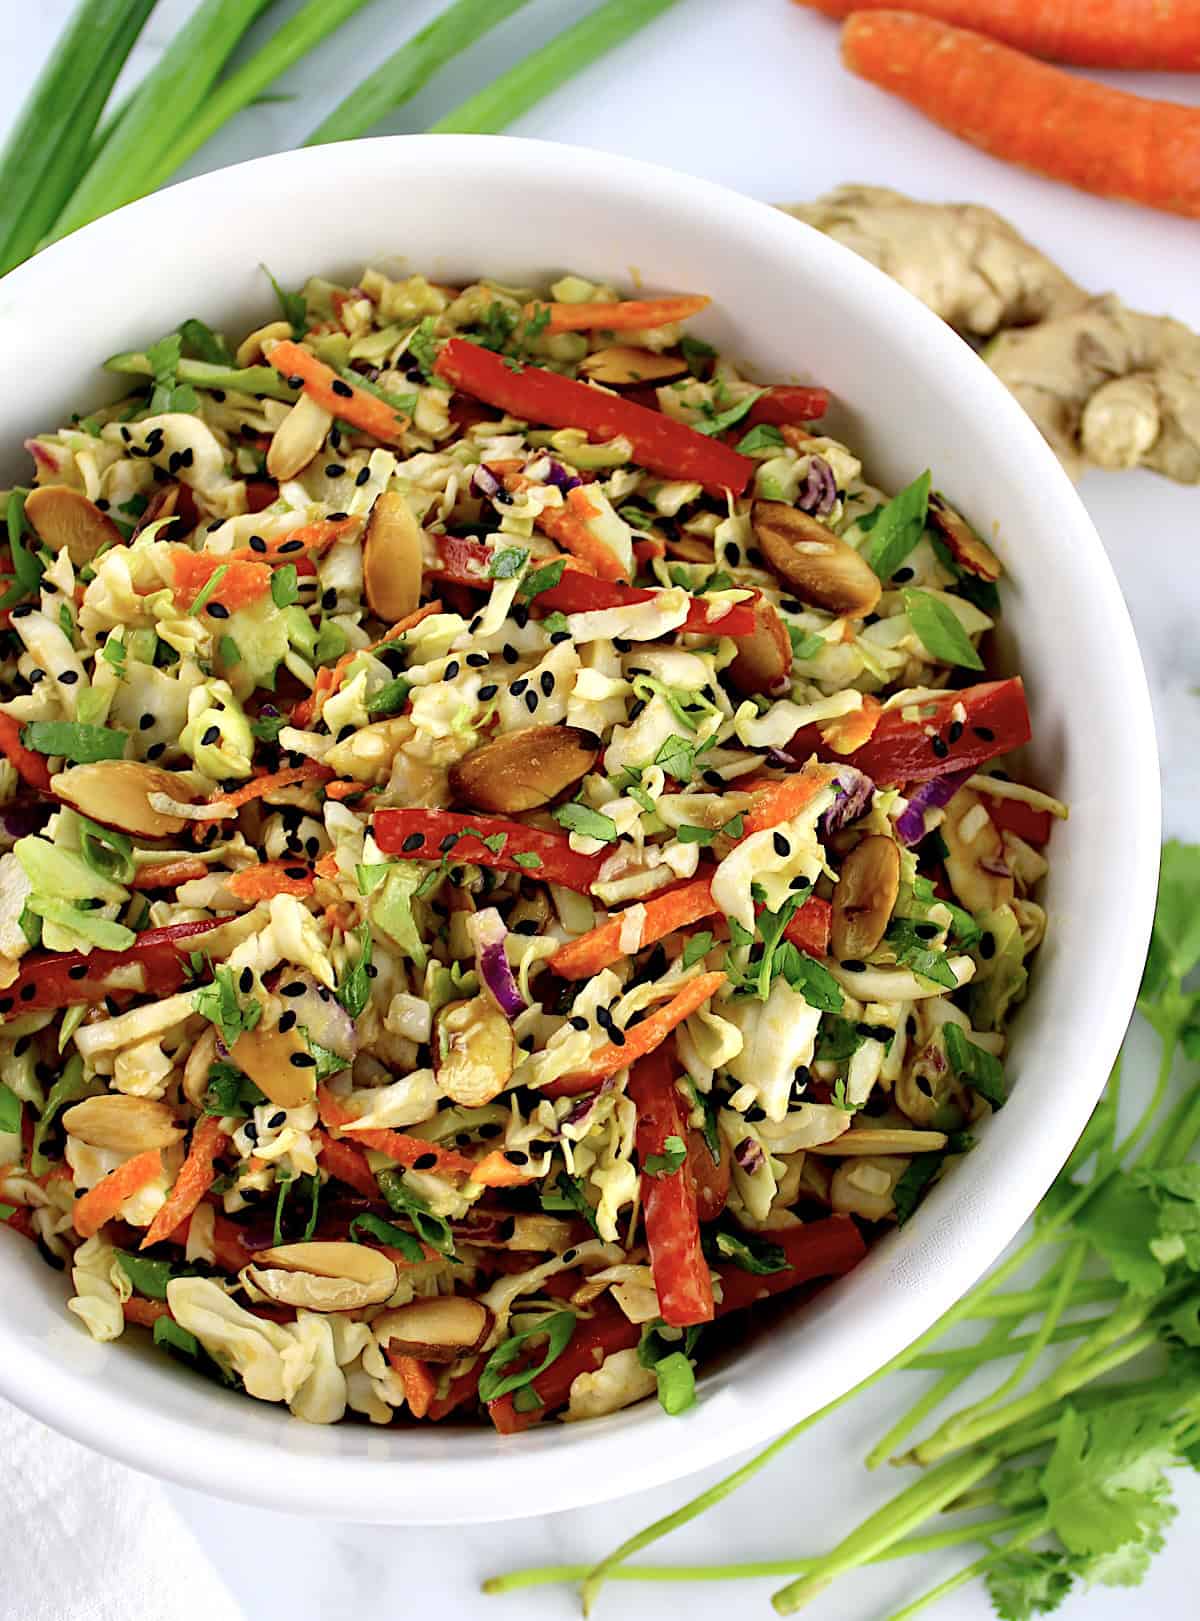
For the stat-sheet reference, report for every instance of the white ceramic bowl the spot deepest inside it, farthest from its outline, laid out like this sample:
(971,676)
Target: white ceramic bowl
(910,395)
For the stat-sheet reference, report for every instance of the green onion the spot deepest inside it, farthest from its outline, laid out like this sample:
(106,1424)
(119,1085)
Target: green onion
(407,70)
(568,53)
(48,145)
(311,24)
(166,102)
(203,374)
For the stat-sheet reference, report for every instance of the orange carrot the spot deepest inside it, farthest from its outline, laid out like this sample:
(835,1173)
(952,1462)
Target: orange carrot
(333,394)
(640,1039)
(345,1162)
(1070,129)
(494,1171)
(631,315)
(397,1145)
(645,551)
(166,874)
(420,1387)
(270,878)
(845,733)
(271,781)
(568,526)
(343,790)
(327,867)
(329,677)
(101,1203)
(601,947)
(196,1176)
(780,801)
(144,1312)
(1134,34)
(240,584)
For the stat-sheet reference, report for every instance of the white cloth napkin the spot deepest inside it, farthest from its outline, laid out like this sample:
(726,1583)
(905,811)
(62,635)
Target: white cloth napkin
(85,1539)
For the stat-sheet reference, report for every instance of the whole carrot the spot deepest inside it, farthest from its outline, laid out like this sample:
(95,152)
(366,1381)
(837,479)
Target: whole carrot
(1101,140)
(1153,35)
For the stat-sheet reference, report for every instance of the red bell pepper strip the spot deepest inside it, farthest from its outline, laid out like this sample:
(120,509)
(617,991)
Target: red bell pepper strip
(669,1200)
(606,1331)
(427,835)
(820,1249)
(55,979)
(30,767)
(1015,816)
(785,403)
(461,1389)
(664,446)
(994,719)
(808,927)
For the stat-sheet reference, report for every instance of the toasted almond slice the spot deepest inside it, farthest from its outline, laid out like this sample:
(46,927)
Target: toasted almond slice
(882,1140)
(865,895)
(521,771)
(251,350)
(437,1330)
(267,1054)
(474,1051)
(764,658)
(324,1276)
(624,366)
(127,1124)
(690,548)
(966,547)
(392,559)
(65,517)
(298,438)
(813,562)
(116,793)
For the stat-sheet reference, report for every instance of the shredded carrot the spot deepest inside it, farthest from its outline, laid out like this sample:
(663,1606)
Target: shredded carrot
(780,801)
(344,790)
(601,947)
(329,677)
(268,879)
(271,781)
(196,1176)
(494,1171)
(103,1202)
(327,867)
(568,525)
(144,1312)
(640,1039)
(241,583)
(333,394)
(397,1145)
(345,1162)
(420,1387)
(630,315)
(167,874)
(313,537)
(845,733)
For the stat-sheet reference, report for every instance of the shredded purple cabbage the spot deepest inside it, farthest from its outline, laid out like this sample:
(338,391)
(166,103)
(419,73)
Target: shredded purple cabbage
(492,960)
(485,484)
(854,799)
(820,488)
(749,1155)
(19,820)
(559,476)
(931,795)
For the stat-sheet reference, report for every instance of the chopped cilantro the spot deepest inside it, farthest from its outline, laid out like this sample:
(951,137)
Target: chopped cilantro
(668,1162)
(284,586)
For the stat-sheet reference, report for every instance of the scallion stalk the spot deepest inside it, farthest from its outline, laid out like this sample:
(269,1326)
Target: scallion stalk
(567,54)
(164,106)
(311,24)
(411,67)
(47,147)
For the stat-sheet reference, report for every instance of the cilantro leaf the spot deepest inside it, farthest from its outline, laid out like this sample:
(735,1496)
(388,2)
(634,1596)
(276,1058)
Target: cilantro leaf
(668,1162)
(837,1039)
(219,1004)
(980,1069)
(897,527)
(285,588)
(811,978)
(206,344)
(720,420)
(939,630)
(746,1250)
(677,757)
(78,743)
(697,947)
(432,1230)
(698,355)
(354,990)
(292,305)
(567,1194)
(10,1109)
(1105,1484)
(1024,1584)
(582,819)
(230,1092)
(543,579)
(763,437)
(386,1232)
(422,346)
(912,951)
(805,644)
(671,1362)
(507,564)
(557,1331)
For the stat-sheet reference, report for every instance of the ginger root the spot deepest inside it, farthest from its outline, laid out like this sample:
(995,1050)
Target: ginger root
(1106,385)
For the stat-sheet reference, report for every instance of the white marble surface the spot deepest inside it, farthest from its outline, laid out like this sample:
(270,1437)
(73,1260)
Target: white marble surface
(750,94)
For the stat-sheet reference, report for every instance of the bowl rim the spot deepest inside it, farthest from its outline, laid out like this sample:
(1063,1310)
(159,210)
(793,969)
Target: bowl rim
(517,1474)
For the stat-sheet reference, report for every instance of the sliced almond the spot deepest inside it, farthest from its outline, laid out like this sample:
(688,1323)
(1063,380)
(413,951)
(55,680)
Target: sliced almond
(865,895)
(882,1140)
(966,547)
(116,793)
(864,1186)
(251,349)
(298,438)
(814,563)
(975,863)
(690,548)
(127,1124)
(65,517)
(392,559)
(764,658)
(437,1330)
(324,1276)
(474,1051)
(170,501)
(624,366)
(269,1056)
(521,771)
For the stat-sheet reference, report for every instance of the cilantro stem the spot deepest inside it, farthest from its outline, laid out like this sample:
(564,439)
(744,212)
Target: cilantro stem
(1176,1137)
(1029,1302)
(969,1572)
(992,1344)
(910,1547)
(969,1358)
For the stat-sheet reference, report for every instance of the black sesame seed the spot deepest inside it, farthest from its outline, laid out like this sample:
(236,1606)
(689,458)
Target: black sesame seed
(622,645)
(187,457)
(447,844)
(345,731)
(546,682)
(145,722)
(334,470)
(337,517)
(156,751)
(251,1131)
(218,610)
(302,1061)
(77,970)
(488,690)
(527,925)
(6,1002)
(559,636)
(985,732)
(21,1046)
(733,554)
(519,685)
(940,747)
(531,701)
(636,708)
(329,598)
(754,1114)
(277,1119)
(246,981)
(20,613)
(371,971)
(312,845)
(69,677)
(509,653)
(577,1022)
(987,946)
(292,546)
(520,615)
(477,660)
(342,389)
(902,574)
(451,670)
(361,477)
(298,873)
(295,988)
(35,675)
(516,1156)
(257,543)
(927,931)
(569,1256)
(714,779)
(287,1021)
(210,736)
(414,841)
(854,965)
(781,844)
(954,731)
(424,1162)
(489,1129)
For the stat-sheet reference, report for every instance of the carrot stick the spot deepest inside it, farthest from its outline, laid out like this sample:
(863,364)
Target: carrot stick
(631,315)
(167,874)
(196,1176)
(419,1384)
(271,781)
(270,878)
(397,1145)
(601,947)
(494,1171)
(568,526)
(102,1203)
(1133,34)
(780,801)
(640,1039)
(144,1312)
(345,1162)
(333,394)
(240,584)
(1070,129)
